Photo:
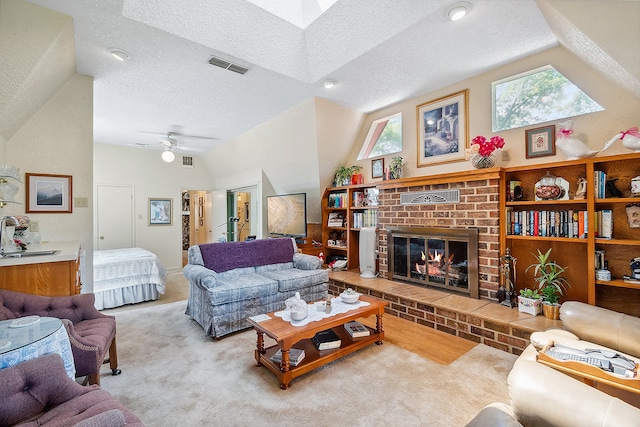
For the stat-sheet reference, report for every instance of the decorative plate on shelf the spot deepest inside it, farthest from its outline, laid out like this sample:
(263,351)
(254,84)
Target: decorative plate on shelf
(24,321)
(559,190)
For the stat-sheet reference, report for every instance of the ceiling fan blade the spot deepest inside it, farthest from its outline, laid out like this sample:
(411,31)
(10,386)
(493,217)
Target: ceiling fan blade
(184,135)
(184,148)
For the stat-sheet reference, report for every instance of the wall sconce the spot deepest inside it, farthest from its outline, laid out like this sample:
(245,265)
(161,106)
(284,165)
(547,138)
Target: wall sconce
(167,155)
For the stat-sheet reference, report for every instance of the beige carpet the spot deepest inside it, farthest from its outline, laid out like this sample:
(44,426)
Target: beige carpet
(172,374)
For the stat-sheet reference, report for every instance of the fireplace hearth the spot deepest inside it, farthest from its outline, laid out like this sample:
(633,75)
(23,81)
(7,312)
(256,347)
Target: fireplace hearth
(446,258)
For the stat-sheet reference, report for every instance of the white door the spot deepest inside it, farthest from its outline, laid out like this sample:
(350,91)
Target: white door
(218,217)
(114,217)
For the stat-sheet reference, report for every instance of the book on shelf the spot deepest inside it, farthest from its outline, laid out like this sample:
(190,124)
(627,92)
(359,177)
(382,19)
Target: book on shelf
(326,340)
(336,219)
(295,356)
(357,329)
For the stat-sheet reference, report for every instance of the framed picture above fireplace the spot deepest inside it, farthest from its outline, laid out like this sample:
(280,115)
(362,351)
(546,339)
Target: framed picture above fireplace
(443,129)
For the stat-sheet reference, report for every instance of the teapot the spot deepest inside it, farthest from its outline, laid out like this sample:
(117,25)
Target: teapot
(297,307)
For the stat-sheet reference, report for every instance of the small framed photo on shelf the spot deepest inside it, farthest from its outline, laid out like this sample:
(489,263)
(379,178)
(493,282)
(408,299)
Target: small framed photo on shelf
(48,193)
(541,142)
(377,168)
(160,211)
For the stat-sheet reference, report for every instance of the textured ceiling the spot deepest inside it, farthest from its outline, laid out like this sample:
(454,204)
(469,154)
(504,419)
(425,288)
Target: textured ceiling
(379,55)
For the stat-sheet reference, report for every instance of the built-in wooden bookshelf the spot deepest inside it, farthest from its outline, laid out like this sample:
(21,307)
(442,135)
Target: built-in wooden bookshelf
(578,252)
(357,207)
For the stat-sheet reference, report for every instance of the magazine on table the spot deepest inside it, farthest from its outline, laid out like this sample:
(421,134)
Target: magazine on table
(357,329)
(295,356)
(326,340)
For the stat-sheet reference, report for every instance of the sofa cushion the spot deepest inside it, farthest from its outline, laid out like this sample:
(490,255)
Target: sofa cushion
(242,288)
(292,279)
(227,256)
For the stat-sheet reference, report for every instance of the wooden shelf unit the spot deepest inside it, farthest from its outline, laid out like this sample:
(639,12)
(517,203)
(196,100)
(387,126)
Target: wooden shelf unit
(348,233)
(579,253)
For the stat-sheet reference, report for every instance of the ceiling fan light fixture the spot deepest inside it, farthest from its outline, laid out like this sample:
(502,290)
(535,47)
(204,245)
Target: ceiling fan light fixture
(457,10)
(168,156)
(119,54)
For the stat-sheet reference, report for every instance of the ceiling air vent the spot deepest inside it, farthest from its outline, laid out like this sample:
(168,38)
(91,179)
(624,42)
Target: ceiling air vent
(227,65)
(187,161)
(430,197)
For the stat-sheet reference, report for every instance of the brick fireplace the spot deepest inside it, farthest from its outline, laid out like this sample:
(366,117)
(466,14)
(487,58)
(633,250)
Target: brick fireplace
(477,208)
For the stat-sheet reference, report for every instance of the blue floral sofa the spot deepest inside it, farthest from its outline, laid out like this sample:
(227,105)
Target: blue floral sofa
(232,281)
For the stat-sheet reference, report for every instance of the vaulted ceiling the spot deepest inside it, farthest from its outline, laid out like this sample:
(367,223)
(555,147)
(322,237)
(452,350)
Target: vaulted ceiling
(378,53)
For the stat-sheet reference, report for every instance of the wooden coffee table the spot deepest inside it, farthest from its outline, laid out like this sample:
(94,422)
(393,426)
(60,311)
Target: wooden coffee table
(287,336)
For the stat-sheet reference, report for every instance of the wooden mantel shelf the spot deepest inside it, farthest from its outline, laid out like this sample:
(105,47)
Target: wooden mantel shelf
(465,176)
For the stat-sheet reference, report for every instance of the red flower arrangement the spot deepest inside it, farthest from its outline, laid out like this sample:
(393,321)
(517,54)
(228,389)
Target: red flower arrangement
(484,147)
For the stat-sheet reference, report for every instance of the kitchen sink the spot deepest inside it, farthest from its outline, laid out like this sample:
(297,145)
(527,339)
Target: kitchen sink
(27,253)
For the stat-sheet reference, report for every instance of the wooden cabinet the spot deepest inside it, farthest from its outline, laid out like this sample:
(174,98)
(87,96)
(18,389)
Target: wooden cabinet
(345,210)
(49,275)
(577,252)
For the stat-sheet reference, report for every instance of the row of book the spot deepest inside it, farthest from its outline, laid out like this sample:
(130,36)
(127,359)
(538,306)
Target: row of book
(366,218)
(604,224)
(567,223)
(599,182)
(337,200)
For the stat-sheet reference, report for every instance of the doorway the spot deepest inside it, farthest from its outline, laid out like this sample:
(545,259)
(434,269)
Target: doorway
(114,227)
(196,219)
(241,208)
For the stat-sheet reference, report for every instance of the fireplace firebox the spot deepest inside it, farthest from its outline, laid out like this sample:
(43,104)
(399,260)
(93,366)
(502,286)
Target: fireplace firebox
(442,257)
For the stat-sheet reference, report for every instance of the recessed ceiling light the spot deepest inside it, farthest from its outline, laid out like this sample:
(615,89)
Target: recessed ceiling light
(457,10)
(119,54)
(329,83)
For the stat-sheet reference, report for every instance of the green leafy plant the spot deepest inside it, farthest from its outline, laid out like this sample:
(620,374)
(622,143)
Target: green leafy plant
(548,274)
(343,173)
(551,295)
(395,169)
(530,293)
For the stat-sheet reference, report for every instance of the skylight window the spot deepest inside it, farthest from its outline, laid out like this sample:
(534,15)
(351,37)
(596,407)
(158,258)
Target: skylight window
(537,96)
(384,137)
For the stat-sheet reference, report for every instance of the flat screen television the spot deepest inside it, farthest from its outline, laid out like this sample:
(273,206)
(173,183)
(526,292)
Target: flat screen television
(287,215)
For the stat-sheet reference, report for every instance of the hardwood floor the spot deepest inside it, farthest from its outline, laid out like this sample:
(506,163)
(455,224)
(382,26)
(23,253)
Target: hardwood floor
(434,345)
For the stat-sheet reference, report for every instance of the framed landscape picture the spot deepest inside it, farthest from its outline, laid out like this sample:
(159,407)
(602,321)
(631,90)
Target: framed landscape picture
(48,193)
(160,211)
(541,142)
(443,129)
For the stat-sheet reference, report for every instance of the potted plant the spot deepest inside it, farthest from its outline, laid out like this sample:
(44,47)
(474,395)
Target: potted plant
(356,176)
(529,301)
(395,169)
(343,176)
(551,284)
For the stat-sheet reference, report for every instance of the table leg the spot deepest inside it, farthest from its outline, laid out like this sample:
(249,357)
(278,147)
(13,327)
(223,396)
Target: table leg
(379,327)
(259,347)
(285,363)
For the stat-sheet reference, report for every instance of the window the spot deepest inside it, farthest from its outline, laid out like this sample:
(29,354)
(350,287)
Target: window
(384,137)
(535,97)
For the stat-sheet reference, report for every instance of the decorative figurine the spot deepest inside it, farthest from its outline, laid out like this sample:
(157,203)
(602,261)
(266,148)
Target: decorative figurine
(572,148)
(630,139)
(610,188)
(581,191)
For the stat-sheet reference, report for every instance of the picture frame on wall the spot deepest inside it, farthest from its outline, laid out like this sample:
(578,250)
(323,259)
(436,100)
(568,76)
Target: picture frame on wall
(540,142)
(443,127)
(47,193)
(377,168)
(160,211)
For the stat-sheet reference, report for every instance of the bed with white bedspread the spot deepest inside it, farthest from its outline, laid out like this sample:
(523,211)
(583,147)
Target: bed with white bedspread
(126,276)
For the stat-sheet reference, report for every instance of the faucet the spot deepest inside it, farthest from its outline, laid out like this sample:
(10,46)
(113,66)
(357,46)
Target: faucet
(3,224)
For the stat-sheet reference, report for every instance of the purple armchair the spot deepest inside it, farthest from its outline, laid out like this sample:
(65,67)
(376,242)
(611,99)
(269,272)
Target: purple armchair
(91,333)
(38,392)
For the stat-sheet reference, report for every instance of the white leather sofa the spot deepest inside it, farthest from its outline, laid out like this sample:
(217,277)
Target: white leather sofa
(542,396)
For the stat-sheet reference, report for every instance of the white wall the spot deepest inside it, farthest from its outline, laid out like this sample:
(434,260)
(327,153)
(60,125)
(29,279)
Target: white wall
(151,177)
(58,139)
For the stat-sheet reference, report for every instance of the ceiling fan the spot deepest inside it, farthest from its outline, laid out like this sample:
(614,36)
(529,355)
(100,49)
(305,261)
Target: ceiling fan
(171,142)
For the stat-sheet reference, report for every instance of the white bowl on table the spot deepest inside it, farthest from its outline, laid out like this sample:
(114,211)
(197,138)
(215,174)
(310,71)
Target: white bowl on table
(350,296)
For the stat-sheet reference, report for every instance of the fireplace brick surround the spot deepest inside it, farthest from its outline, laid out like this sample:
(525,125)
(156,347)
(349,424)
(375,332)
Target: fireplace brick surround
(480,320)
